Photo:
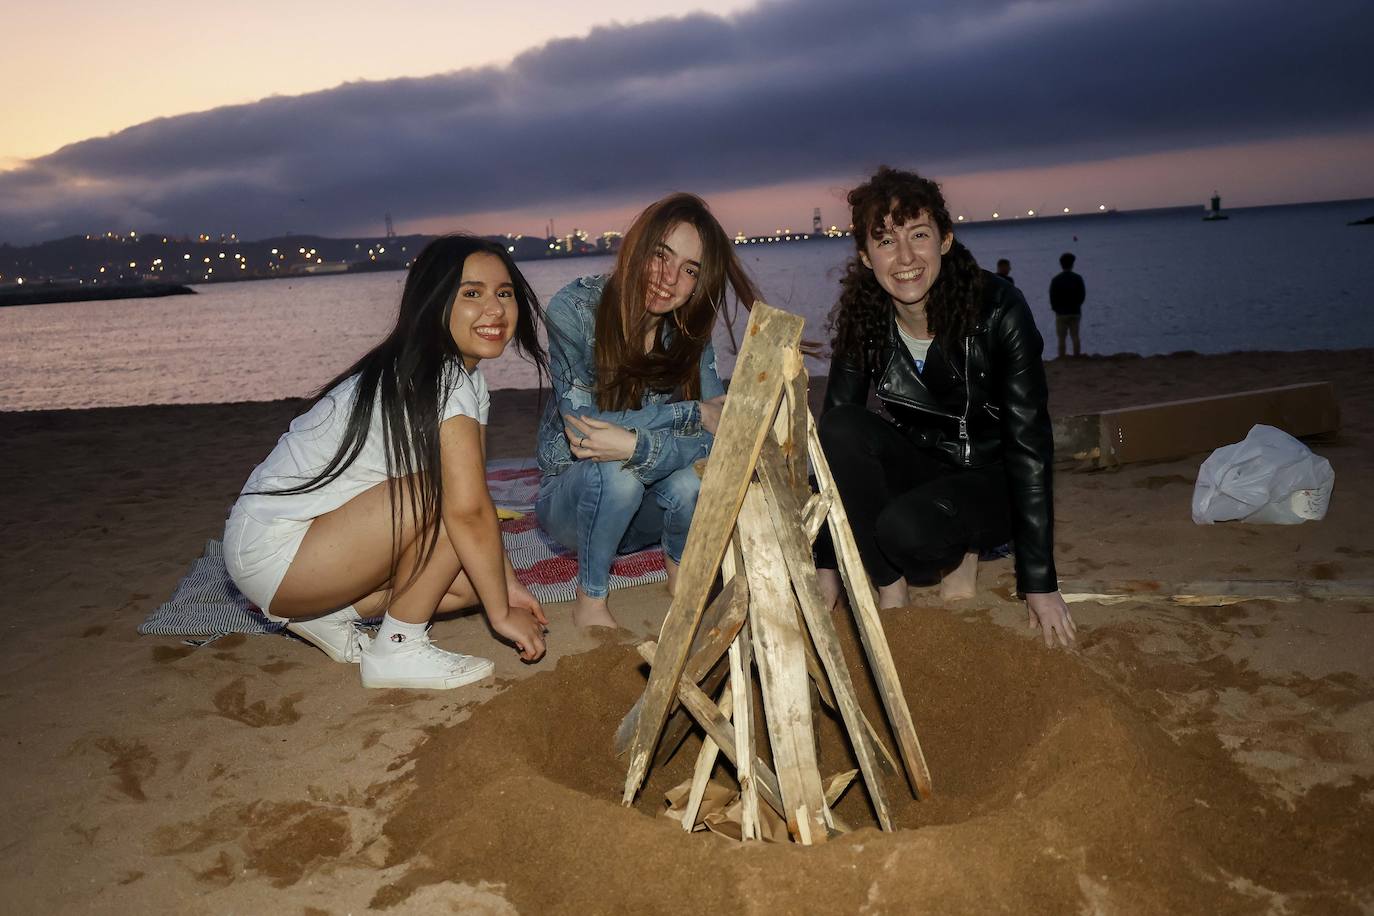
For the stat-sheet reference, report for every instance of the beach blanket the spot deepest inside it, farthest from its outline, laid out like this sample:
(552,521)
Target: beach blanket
(207,604)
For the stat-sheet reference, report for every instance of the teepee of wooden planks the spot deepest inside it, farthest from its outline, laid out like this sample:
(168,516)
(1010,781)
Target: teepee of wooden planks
(754,524)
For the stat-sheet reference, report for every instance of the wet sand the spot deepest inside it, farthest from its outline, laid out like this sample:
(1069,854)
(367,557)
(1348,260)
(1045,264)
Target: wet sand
(1179,759)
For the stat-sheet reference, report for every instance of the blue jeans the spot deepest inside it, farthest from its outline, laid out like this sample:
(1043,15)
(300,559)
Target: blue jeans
(599,510)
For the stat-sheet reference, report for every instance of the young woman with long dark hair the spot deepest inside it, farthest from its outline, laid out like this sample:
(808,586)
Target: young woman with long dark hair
(962,461)
(636,395)
(375,499)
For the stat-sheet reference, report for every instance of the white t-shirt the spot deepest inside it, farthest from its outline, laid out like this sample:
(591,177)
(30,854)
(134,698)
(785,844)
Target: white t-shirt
(917,347)
(313,438)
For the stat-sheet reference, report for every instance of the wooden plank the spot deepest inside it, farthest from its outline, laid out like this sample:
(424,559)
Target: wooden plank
(755,390)
(741,670)
(706,763)
(726,614)
(871,634)
(679,724)
(1218,593)
(714,724)
(814,668)
(741,676)
(706,668)
(1176,429)
(814,513)
(781,663)
(790,428)
(835,786)
(796,555)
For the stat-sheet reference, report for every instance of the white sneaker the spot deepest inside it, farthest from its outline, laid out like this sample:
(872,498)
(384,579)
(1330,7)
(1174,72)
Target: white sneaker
(334,634)
(420,664)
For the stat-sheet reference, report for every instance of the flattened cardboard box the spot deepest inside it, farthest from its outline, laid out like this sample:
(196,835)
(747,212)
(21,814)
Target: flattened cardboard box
(1176,429)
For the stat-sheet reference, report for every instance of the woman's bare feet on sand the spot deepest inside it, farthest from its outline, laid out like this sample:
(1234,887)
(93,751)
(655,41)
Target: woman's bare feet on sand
(592,612)
(671,567)
(832,589)
(961,583)
(894,595)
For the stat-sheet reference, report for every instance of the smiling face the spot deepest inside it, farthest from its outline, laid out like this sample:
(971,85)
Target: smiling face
(905,259)
(673,270)
(482,320)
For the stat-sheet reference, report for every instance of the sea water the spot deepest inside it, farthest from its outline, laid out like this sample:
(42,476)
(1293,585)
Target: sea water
(1272,278)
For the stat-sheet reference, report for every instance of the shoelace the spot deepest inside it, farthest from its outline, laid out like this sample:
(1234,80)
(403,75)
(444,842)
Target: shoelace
(427,648)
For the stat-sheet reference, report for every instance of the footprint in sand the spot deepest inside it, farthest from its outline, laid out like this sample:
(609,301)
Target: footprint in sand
(131,762)
(231,701)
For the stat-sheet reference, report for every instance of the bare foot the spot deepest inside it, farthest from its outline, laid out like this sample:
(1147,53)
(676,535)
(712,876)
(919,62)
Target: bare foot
(592,612)
(961,583)
(671,567)
(832,589)
(894,595)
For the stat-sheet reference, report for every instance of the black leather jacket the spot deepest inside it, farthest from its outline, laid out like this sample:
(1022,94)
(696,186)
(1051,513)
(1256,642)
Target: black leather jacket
(984,402)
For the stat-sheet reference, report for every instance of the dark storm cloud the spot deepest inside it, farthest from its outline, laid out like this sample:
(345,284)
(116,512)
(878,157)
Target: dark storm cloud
(790,90)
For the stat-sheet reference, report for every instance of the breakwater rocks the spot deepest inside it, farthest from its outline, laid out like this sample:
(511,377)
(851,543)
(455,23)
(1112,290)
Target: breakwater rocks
(38,293)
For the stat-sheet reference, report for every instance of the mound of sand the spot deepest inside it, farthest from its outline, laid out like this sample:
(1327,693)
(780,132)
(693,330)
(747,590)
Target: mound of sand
(1053,783)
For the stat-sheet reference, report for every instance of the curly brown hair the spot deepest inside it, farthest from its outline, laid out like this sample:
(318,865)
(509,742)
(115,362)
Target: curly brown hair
(862,314)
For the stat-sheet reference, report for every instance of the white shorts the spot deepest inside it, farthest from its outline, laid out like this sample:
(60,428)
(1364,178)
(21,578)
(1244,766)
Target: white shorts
(258,555)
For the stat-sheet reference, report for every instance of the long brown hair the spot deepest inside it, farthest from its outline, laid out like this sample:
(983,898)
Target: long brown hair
(624,371)
(863,312)
(403,381)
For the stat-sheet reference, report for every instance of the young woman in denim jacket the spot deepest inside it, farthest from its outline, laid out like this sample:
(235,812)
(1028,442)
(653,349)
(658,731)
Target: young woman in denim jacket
(636,398)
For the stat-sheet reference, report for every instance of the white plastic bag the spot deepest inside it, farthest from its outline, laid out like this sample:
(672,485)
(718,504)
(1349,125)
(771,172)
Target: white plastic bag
(1269,478)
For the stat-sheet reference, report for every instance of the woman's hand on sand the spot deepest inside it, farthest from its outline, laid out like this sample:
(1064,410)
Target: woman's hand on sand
(598,440)
(517,596)
(710,413)
(1048,611)
(521,627)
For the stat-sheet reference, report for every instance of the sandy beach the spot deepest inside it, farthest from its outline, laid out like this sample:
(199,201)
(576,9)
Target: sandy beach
(1178,759)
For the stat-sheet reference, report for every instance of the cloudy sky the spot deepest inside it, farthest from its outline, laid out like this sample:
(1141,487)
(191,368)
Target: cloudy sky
(260,120)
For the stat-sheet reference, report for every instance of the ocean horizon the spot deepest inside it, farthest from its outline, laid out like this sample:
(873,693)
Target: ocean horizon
(1279,278)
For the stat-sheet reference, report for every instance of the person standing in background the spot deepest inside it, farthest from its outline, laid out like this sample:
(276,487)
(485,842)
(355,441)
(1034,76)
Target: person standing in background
(1067,293)
(1004,270)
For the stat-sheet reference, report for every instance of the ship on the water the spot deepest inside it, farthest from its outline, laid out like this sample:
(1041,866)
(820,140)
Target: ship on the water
(1214,213)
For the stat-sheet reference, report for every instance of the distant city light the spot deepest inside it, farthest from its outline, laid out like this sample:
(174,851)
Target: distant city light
(1101,206)
(996,215)
(961,219)
(186,257)
(1030,212)
(274,251)
(1066,209)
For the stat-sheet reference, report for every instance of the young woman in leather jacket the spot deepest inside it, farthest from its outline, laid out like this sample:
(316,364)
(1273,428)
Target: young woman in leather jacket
(962,460)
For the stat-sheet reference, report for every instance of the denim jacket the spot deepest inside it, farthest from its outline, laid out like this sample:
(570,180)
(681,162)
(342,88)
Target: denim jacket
(668,434)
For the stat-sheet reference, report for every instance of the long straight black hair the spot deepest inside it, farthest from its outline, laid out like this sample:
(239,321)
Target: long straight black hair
(408,377)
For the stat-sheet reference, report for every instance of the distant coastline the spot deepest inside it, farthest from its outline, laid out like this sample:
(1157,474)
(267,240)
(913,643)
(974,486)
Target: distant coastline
(44,293)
